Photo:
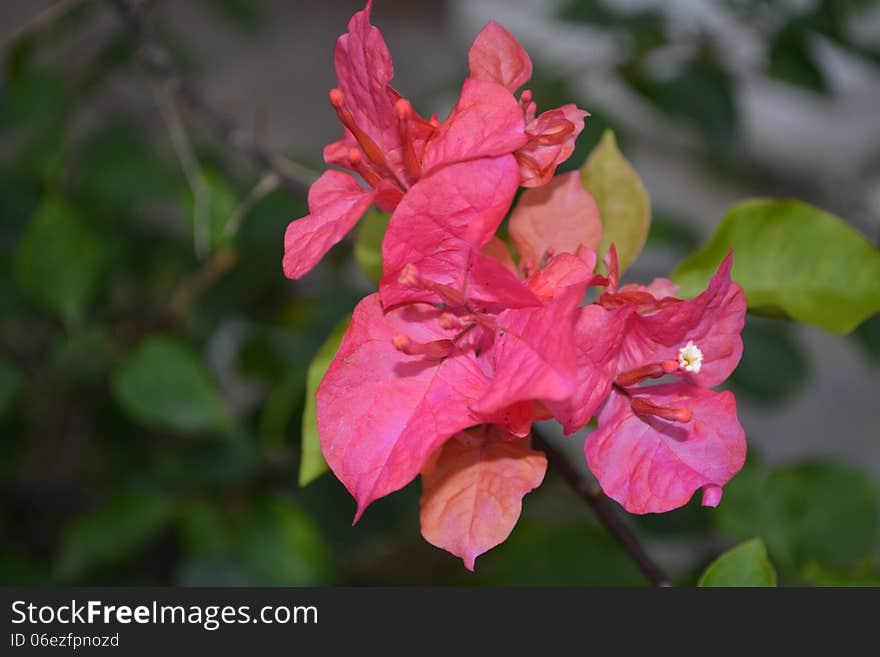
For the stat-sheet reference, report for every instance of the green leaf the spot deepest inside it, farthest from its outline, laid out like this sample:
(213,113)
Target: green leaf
(113,532)
(773,367)
(622,199)
(557,553)
(368,244)
(59,260)
(867,336)
(219,204)
(164,385)
(10,385)
(790,58)
(793,260)
(745,565)
(120,169)
(312,465)
(35,96)
(818,513)
(278,544)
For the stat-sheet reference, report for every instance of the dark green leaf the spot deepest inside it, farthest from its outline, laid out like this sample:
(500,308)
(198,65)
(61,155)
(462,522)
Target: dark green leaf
(745,565)
(114,532)
(164,385)
(312,464)
(773,366)
(278,545)
(790,59)
(59,260)
(819,513)
(120,169)
(792,260)
(10,385)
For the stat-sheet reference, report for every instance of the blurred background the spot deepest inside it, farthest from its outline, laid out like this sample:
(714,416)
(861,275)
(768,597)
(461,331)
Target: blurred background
(153,362)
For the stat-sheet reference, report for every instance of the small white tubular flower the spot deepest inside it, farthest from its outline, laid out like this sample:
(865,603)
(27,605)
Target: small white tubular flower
(690,358)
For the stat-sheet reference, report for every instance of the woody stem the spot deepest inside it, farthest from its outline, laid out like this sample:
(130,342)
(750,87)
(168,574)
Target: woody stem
(601,506)
(291,177)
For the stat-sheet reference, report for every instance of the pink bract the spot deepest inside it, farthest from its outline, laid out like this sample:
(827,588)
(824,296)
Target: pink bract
(472,490)
(391,148)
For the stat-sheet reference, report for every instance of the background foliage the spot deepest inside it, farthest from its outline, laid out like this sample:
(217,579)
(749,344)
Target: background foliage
(154,359)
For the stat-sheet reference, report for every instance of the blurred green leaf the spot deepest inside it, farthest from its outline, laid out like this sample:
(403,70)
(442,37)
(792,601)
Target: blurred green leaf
(204,528)
(622,199)
(312,465)
(821,513)
(21,570)
(667,231)
(702,94)
(10,385)
(368,243)
(34,96)
(245,14)
(59,260)
(558,554)
(868,337)
(277,544)
(745,565)
(792,260)
(790,58)
(218,205)
(119,169)
(773,366)
(164,385)
(113,532)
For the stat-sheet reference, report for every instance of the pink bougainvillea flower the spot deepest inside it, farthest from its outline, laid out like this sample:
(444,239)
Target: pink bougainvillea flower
(406,380)
(497,57)
(656,445)
(678,437)
(472,490)
(392,148)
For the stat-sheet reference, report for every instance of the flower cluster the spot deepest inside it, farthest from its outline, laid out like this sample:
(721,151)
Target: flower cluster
(444,370)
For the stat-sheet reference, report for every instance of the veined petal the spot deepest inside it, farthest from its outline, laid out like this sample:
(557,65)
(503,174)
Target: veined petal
(560,216)
(472,490)
(439,223)
(652,465)
(381,412)
(496,55)
(713,321)
(336,202)
(486,122)
(550,144)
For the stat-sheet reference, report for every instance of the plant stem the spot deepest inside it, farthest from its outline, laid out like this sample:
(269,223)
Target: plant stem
(601,506)
(292,177)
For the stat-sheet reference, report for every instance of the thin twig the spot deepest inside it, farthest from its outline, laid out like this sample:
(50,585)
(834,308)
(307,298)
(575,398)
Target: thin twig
(42,20)
(293,177)
(601,506)
(220,263)
(189,163)
(267,184)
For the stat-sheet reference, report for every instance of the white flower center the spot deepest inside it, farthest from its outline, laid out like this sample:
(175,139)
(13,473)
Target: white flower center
(690,358)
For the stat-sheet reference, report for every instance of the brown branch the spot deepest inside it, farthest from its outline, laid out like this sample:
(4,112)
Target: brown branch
(292,177)
(601,506)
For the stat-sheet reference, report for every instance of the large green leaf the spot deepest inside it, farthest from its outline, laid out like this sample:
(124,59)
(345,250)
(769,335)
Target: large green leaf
(113,532)
(622,199)
(162,384)
(809,514)
(59,259)
(745,565)
(312,465)
(368,244)
(793,260)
